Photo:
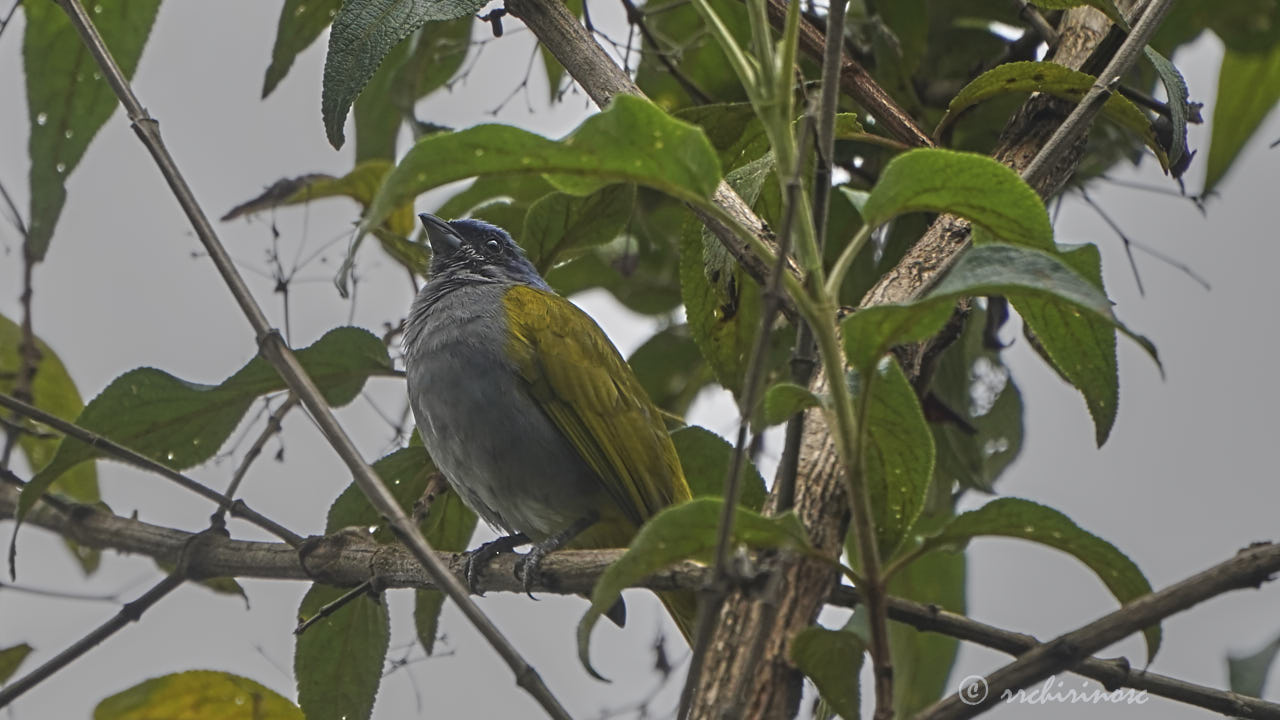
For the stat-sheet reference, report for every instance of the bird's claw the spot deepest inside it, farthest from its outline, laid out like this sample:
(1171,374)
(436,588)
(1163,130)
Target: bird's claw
(476,560)
(530,568)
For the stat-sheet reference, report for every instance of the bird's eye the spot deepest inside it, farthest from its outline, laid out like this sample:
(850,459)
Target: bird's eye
(492,247)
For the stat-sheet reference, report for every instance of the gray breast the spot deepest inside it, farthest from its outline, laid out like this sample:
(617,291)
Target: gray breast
(500,452)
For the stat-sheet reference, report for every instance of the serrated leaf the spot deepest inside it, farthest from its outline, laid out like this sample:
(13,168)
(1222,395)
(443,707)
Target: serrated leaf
(1082,347)
(975,447)
(1175,88)
(722,304)
(205,694)
(301,22)
(338,660)
(972,186)
(67,99)
(377,115)
(10,659)
(786,399)
(363,34)
(182,424)
(832,659)
(705,458)
(872,331)
(559,226)
(898,455)
(1248,90)
(1018,518)
(677,533)
(1247,673)
(1058,81)
(630,141)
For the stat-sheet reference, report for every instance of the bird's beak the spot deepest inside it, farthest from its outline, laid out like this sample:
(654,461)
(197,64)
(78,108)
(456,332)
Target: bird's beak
(444,239)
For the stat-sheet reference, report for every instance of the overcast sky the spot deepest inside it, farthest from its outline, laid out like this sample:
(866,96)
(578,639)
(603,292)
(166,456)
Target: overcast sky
(1186,479)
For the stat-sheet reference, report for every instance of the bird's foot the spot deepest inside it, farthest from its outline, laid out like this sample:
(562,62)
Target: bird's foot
(529,569)
(478,558)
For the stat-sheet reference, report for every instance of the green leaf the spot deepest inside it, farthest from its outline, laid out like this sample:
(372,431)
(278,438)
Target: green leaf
(972,186)
(1017,518)
(786,399)
(1082,347)
(1058,81)
(678,533)
(377,115)
(898,456)
(203,694)
(10,659)
(301,22)
(438,52)
(363,34)
(699,57)
(722,304)
(976,446)
(871,332)
(631,141)
(1247,673)
(67,99)
(922,661)
(338,660)
(1175,87)
(1107,7)
(705,458)
(1248,90)
(670,369)
(832,659)
(560,226)
(182,424)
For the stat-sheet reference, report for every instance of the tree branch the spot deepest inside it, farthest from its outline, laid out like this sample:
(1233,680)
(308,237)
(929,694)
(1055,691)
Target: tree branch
(1249,568)
(346,559)
(602,79)
(276,351)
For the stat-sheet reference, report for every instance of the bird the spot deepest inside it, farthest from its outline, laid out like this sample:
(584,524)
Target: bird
(529,411)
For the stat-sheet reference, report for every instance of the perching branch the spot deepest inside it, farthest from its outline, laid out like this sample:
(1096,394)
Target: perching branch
(274,349)
(346,559)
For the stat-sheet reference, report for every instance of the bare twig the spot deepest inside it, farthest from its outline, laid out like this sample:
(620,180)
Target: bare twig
(334,561)
(274,349)
(273,427)
(1038,24)
(29,354)
(635,16)
(237,507)
(1249,568)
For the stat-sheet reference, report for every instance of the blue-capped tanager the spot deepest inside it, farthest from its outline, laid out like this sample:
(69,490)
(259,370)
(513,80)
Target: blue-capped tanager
(529,411)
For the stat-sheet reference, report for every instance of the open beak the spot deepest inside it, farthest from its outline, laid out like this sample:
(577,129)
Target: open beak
(444,239)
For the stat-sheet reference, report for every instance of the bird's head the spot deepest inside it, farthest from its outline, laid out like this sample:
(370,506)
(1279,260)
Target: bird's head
(469,251)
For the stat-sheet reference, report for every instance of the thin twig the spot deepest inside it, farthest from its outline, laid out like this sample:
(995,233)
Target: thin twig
(131,612)
(274,349)
(1249,568)
(28,352)
(328,609)
(273,427)
(1038,24)
(237,507)
(635,16)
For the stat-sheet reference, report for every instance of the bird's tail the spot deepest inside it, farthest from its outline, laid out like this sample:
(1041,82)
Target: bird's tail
(683,607)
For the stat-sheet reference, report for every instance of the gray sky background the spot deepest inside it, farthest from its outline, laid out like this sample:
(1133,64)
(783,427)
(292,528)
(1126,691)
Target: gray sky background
(1187,478)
